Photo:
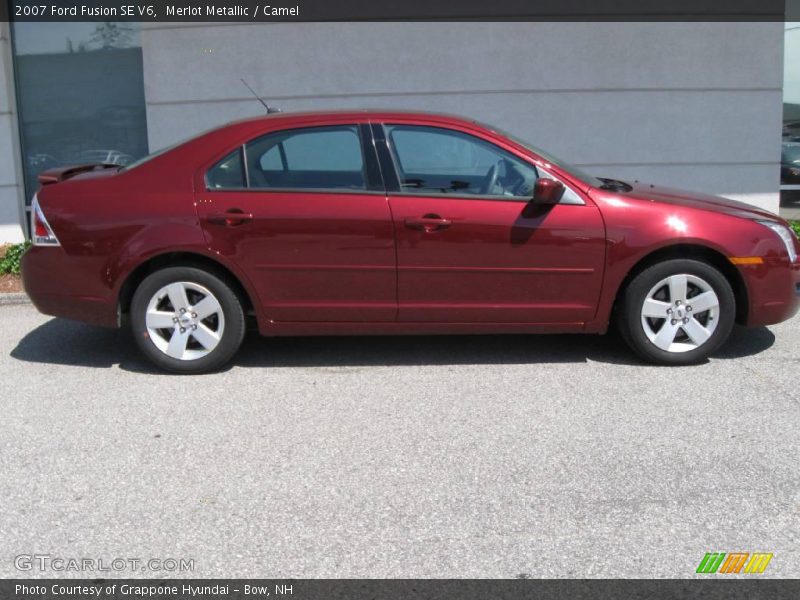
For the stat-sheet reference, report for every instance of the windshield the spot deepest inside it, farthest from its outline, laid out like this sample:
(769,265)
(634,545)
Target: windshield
(564,166)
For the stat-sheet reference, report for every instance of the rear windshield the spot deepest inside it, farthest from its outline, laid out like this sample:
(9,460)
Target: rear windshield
(157,153)
(151,156)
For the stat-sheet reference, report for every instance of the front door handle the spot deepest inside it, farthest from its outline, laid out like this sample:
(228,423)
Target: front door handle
(428,223)
(230,218)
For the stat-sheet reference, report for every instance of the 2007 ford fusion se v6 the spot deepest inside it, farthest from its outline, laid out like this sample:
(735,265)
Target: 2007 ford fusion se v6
(369,222)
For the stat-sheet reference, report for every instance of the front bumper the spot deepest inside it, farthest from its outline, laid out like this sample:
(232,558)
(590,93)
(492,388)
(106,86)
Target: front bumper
(774,291)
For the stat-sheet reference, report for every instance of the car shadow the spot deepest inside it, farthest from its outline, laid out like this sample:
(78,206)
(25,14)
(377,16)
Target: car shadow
(62,342)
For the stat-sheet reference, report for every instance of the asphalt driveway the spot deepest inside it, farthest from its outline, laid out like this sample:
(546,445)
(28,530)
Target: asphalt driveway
(493,456)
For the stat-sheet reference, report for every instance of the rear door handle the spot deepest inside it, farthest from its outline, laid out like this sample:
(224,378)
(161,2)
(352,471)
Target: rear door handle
(428,223)
(230,218)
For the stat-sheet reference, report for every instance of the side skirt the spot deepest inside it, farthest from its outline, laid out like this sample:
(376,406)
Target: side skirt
(405,328)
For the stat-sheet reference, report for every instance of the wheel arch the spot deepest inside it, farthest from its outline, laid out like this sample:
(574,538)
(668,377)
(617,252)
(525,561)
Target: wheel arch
(692,252)
(182,259)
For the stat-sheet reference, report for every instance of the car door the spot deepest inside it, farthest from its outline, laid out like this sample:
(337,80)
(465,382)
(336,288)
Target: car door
(304,213)
(471,247)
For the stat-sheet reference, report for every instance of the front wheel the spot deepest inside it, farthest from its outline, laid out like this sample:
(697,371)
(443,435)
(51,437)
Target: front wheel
(677,312)
(187,320)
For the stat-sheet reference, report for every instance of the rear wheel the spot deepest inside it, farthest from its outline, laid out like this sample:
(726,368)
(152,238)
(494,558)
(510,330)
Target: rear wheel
(187,320)
(677,312)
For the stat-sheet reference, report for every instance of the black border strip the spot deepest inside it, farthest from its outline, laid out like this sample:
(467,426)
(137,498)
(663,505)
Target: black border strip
(715,587)
(155,11)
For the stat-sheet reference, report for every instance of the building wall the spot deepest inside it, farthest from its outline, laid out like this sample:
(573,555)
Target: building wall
(694,105)
(10,173)
(74,103)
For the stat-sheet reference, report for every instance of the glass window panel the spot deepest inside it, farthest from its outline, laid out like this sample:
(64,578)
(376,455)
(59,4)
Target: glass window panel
(315,158)
(80,94)
(790,142)
(327,150)
(433,160)
(228,173)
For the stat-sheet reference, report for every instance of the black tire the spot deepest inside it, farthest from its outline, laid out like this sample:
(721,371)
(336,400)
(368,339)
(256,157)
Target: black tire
(630,319)
(233,322)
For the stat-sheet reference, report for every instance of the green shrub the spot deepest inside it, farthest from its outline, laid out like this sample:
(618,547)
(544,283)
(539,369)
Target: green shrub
(796,226)
(9,263)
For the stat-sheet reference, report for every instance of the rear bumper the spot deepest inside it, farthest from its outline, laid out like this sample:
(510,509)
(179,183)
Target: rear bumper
(774,291)
(59,285)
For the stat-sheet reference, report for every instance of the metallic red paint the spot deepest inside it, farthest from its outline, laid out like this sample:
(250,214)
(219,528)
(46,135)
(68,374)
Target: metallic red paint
(358,263)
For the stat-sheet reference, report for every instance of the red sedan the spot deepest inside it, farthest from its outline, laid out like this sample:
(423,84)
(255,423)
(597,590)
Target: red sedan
(394,223)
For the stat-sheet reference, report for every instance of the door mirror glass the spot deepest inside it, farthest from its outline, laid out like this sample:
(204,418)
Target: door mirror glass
(547,191)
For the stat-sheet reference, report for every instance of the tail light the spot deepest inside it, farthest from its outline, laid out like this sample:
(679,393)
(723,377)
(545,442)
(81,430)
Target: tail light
(41,232)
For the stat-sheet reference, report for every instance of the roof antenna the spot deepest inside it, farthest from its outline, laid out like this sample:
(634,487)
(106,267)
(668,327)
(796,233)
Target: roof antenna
(270,109)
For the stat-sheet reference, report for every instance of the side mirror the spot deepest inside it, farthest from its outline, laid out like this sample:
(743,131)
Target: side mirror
(547,191)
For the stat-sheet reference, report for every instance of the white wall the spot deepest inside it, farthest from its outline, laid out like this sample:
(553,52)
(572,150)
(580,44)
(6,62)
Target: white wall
(695,105)
(10,177)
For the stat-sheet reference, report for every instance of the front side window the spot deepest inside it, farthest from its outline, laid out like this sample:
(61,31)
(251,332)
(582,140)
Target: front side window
(328,158)
(433,160)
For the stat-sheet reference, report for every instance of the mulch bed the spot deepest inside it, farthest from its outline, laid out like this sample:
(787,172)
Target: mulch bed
(10,284)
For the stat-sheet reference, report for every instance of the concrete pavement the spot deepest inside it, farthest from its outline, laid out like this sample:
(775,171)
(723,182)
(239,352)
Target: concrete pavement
(557,456)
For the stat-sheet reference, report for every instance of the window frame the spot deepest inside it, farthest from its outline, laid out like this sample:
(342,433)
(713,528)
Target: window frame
(390,160)
(373,180)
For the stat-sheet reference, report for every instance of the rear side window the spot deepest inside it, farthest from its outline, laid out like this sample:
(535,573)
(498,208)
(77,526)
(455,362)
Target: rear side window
(227,174)
(325,158)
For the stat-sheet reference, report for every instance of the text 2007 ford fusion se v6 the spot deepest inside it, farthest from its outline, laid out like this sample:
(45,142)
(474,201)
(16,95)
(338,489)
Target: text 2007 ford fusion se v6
(392,222)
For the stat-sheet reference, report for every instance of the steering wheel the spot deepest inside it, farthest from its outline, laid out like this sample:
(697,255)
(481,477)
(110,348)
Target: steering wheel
(492,175)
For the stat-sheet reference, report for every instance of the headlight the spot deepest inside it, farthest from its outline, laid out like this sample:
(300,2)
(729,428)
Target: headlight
(785,234)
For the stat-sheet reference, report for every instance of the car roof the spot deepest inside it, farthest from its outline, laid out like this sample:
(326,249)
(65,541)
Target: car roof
(357,115)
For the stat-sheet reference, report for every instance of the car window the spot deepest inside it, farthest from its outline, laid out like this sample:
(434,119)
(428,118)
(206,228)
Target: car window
(433,160)
(790,154)
(310,158)
(228,173)
(272,160)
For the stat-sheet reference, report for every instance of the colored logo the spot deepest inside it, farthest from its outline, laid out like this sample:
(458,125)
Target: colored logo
(734,562)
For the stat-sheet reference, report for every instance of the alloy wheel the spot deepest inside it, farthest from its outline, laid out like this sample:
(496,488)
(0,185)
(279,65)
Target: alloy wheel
(680,313)
(185,320)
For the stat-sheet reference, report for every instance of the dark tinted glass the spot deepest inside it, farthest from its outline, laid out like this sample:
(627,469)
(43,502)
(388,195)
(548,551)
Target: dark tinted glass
(790,144)
(310,158)
(433,160)
(80,92)
(228,173)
